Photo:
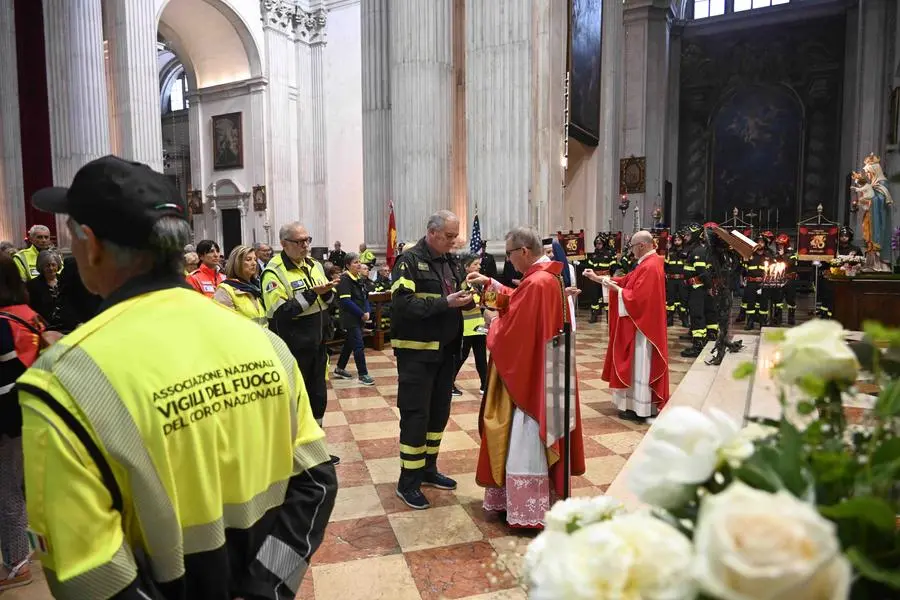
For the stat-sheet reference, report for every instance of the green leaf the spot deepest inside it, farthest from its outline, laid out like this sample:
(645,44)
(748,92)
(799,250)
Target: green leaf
(744,370)
(867,509)
(759,471)
(865,352)
(790,458)
(805,407)
(887,452)
(888,403)
(870,570)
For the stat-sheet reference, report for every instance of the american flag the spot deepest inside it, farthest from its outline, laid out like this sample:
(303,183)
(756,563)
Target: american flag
(475,243)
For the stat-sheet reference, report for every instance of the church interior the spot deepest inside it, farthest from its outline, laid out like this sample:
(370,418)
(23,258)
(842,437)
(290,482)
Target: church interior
(573,117)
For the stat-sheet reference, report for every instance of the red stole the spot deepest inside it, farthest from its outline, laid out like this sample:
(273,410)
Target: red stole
(643,293)
(517,342)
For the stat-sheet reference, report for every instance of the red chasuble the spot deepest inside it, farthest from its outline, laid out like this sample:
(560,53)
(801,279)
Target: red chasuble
(517,341)
(644,296)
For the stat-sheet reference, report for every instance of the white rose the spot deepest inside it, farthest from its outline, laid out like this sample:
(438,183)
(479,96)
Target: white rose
(629,557)
(741,446)
(752,544)
(682,449)
(578,512)
(817,349)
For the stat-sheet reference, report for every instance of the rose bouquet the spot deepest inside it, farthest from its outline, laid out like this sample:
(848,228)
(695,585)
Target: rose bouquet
(846,266)
(803,508)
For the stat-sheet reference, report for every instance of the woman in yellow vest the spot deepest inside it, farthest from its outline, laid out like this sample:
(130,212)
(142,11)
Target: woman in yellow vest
(240,291)
(474,336)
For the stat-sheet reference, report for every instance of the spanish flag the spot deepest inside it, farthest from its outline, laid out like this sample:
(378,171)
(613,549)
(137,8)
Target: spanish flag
(391,238)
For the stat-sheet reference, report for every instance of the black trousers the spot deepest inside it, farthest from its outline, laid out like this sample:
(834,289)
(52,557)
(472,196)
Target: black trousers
(673,295)
(594,293)
(755,299)
(353,344)
(313,363)
(423,397)
(684,295)
(697,308)
(785,296)
(477,344)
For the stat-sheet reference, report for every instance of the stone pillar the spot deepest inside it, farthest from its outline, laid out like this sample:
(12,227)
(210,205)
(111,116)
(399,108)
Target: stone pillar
(646,88)
(131,36)
(515,84)
(376,119)
(499,112)
(611,102)
(673,108)
(283,188)
(76,88)
(422,89)
(12,201)
(548,55)
(309,36)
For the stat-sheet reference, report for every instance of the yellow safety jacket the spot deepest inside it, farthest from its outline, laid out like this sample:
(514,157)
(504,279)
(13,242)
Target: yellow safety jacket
(26,262)
(473,317)
(243,303)
(296,312)
(154,428)
(367,257)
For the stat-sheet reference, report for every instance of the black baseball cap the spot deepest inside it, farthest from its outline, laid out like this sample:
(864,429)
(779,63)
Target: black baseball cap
(119,200)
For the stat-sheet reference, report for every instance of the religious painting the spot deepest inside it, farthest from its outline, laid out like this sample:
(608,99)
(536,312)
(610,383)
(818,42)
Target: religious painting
(817,242)
(584,71)
(633,175)
(228,142)
(259,198)
(661,240)
(195,202)
(573,244)
(756,153)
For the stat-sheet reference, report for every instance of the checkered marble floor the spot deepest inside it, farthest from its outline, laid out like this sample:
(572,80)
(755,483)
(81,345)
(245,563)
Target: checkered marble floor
(375,547)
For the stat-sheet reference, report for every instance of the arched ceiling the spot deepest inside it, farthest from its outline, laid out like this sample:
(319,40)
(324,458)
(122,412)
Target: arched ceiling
(212,41)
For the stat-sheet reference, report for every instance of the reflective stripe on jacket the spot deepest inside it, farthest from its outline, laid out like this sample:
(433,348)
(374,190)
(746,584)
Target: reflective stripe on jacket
(152,430)
(243,303)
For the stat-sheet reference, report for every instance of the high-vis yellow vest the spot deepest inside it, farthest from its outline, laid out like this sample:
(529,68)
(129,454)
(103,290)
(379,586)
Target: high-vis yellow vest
(26,262)
(246,304)
(199,414)
(281,284)
(472,318)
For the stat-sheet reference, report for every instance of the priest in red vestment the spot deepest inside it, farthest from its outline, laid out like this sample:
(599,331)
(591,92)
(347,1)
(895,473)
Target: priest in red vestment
(521,422)
(637,359)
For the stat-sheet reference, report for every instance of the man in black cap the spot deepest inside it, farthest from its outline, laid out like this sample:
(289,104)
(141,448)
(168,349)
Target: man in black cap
(170,450)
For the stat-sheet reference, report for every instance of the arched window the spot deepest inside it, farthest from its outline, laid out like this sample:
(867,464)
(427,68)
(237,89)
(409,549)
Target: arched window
(173,84)
(704,9)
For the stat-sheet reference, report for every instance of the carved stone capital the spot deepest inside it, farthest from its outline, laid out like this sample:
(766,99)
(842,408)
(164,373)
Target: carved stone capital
(309,26)
(279,14)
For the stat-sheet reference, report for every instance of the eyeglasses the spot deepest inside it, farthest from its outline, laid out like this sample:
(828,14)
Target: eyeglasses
(301,241)
(509,252)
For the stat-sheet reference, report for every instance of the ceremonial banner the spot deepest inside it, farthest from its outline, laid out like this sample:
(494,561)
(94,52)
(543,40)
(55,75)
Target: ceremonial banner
(817,242)
(573,244)
(391,239)
(661,237)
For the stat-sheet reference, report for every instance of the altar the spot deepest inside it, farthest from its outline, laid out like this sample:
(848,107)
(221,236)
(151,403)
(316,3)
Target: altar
(866,296)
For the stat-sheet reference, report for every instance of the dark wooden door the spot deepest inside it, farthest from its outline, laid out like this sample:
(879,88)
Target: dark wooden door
(231,229)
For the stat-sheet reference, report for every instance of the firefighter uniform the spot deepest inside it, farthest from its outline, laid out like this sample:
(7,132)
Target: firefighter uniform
(426,337)
(200,475)
(381,286)
(755,300)
(600,261)
(674,267)
(785,297)
(300,317)
(698,282)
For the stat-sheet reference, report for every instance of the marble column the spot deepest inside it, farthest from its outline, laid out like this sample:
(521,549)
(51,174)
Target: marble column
(673,108)
(646,88)
(309,41)
(283,187)
(76,88)
(12,201)
(499,109)
(611,103)
(376,119)
(422,90)
(131,36)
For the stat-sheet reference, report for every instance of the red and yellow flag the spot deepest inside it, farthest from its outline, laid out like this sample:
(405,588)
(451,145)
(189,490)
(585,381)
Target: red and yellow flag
(391,238)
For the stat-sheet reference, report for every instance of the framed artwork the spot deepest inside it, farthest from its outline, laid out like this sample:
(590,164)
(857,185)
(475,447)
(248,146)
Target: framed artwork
(195,202)
(584,69)
(228,141)
(259,198)
(633,175)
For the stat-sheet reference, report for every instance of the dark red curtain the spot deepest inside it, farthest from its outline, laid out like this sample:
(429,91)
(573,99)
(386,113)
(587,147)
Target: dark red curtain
(34,112)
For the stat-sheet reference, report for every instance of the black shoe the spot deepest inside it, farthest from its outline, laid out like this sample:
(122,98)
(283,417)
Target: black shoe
(335,460)
(791,317)
(414,499)
(630,415)
(439,481)
(670,319)
(695,349)
(456,391)
(749,325)
(685,322)
(686,336)
(593,318)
